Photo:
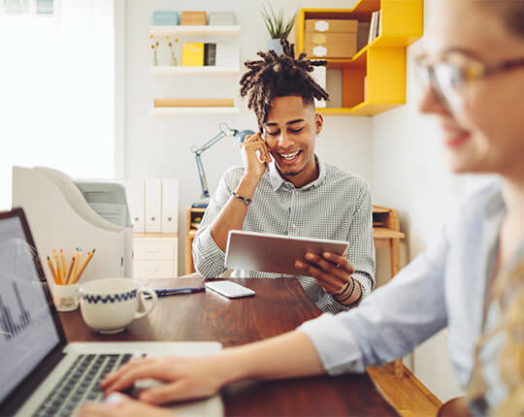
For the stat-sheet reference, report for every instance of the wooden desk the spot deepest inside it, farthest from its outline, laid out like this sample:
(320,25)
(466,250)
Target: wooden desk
(279,306)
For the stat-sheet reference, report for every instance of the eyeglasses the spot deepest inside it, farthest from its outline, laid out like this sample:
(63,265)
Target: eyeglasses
(451,78)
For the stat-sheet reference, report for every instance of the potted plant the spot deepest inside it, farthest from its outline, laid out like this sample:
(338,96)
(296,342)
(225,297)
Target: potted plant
(277,26)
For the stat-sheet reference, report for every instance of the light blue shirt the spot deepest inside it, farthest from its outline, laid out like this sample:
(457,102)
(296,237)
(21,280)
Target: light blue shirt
(445,286)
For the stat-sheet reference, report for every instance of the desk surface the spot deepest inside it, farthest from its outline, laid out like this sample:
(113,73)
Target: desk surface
(280,305)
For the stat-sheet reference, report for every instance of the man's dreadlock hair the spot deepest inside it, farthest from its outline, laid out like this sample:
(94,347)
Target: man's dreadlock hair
(278,76)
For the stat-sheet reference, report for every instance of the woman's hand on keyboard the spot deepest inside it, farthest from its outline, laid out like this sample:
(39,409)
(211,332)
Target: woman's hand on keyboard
(183,378)
(120,405)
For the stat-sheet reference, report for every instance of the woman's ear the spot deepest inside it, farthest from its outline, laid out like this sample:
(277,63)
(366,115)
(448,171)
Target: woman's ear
(319,123)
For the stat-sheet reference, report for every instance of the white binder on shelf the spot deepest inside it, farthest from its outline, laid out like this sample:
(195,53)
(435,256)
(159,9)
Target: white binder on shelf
(137,204)
(169,205)
(319,74)
(153,212)
(60,218)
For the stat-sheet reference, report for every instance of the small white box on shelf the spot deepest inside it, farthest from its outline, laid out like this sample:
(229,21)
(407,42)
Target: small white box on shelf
(221,18)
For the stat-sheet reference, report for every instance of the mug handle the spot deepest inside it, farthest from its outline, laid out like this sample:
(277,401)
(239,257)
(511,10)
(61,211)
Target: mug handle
(148,303)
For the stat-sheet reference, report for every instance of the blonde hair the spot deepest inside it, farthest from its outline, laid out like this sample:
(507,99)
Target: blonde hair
(508,293)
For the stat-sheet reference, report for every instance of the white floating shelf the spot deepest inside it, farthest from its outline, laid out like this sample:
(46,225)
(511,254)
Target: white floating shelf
(231,30)
(165,70)
(194,110)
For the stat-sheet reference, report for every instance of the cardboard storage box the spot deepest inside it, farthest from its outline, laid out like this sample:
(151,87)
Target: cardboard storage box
(193,18)
(331,25)
(331,45)
(331,38)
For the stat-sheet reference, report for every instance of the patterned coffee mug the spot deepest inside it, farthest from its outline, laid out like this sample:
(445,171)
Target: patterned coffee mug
(109,305)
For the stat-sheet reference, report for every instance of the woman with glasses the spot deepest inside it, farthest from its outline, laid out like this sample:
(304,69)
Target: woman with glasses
(474,72)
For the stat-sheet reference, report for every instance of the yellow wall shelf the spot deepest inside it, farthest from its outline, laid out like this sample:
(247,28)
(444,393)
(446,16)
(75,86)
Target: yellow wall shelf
(381,64)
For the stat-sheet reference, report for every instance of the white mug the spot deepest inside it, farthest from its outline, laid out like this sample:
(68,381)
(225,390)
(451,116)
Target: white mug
(109,305)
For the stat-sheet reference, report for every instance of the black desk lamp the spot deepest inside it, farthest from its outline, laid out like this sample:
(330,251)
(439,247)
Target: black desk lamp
(225,130)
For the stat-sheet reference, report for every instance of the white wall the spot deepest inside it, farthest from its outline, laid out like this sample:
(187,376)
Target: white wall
(159,146)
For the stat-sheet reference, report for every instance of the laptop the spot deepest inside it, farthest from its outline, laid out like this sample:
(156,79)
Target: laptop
(265,252)
(42,375)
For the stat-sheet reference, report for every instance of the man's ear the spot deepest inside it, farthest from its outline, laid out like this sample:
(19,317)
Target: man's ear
(319,123)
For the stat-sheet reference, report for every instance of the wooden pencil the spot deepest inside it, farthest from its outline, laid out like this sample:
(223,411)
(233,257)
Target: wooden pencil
(68,278)
(84,265)
(51,268)
(57,261)
(78,261)
(64,263)
(59,276)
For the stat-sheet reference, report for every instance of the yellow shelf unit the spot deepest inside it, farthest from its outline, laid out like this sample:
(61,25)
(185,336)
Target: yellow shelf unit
(374,80)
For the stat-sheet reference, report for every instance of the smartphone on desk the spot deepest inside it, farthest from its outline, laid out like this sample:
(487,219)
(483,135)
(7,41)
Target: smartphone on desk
(229,289)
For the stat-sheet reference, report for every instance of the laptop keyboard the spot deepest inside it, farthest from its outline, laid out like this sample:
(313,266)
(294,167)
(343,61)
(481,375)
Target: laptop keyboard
(80,384)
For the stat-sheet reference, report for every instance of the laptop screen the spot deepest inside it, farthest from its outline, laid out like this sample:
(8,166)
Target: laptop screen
(27,328)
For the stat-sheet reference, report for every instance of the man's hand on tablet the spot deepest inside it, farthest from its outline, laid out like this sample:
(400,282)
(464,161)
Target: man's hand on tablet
(333,273)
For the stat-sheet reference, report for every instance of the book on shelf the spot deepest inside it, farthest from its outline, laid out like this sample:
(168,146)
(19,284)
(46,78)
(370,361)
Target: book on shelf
(192,54)
(319,74)
(227,55)
(378,30)
(362,35)
(210,50)
(375,26)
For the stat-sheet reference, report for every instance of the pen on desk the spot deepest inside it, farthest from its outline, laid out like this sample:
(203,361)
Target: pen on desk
(163,292)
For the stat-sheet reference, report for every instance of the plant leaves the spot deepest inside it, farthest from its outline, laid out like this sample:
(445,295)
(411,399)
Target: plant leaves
(277,25)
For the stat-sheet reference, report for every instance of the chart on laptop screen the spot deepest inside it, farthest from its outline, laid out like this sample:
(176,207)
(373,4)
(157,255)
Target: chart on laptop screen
(27,331)
(13,320)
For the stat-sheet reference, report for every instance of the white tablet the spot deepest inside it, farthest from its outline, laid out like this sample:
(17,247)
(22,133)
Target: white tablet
(274,253)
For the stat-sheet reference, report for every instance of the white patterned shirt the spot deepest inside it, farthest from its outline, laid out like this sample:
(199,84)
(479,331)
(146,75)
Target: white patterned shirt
(336,205)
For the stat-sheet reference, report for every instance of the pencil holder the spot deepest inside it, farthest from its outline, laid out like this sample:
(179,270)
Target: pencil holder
(65,297)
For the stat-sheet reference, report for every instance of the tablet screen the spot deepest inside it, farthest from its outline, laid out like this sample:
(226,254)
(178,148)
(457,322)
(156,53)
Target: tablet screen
(274,253)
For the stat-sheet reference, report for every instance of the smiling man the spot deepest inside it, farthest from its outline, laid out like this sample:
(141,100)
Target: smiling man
(284,188)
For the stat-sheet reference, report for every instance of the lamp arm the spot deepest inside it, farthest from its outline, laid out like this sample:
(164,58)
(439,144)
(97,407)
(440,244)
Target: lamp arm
(200,167)
(225,130)
(211,142)
(201,175)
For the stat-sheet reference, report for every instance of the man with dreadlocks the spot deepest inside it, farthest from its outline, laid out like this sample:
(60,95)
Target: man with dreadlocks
(284,188)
